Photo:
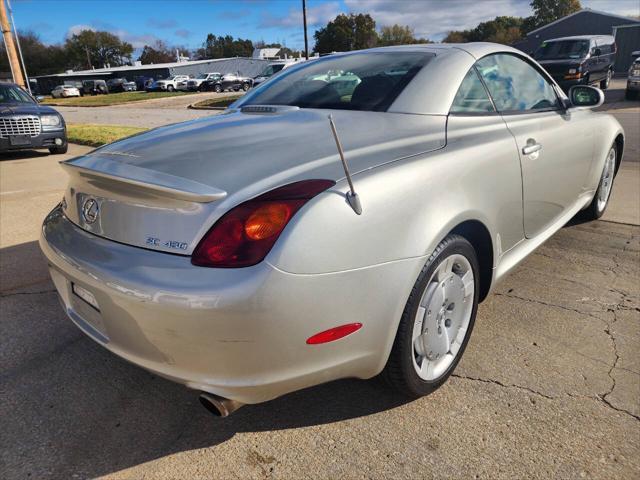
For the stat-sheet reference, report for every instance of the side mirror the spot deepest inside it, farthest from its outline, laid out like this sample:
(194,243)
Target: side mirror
(39,98)
(586,96)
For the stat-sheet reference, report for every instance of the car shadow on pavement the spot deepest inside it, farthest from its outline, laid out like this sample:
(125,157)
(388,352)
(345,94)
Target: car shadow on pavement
(71,408)
(23,154)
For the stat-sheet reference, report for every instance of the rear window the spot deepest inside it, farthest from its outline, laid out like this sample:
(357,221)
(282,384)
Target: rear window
(368,81)
(562,50)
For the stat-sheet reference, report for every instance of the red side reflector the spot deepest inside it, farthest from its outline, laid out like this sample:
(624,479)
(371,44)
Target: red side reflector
(333,333)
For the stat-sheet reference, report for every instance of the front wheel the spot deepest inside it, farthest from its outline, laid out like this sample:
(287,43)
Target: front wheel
(245,87)
(170,88)
(601,199)
(59,150)
(604,84)
(437,320)
(218,89)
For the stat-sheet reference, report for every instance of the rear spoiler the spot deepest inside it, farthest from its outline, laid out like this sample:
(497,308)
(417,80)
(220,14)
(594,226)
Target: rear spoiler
(152,181)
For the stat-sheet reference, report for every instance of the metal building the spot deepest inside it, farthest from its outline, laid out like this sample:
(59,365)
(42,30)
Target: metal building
(249,67)
(627,41)
(584,22)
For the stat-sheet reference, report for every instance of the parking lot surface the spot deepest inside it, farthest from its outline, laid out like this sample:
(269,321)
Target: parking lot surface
(148,113)
(549,386)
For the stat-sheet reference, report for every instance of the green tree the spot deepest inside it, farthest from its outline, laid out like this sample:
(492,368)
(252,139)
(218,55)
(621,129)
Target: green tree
(345,33)
(95,49)
(40,59)
(547,11)
(399,35)
(158,53)
(504,30)
(225,47)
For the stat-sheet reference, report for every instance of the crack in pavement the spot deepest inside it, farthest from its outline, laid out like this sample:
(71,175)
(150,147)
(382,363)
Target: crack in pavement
(598,398)
(39,292)
(616,307)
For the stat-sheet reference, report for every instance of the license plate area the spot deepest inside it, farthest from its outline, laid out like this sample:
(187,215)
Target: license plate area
(85,295)
(18,140)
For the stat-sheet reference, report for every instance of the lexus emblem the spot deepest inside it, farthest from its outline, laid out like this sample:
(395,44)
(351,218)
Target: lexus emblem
(90,210)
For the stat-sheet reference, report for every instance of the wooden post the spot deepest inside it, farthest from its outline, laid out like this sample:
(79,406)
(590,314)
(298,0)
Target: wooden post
(18,78)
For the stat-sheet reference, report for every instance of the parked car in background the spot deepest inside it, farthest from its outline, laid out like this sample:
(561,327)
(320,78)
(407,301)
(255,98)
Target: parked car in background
(63,91)
(250,279)
(271,70)
(193,84)
(182,85)
(129,87)
(144,83)
(228,81)
(580,60)
(633,79)
(116,84)
(169,84)
(95,87)
(26,124)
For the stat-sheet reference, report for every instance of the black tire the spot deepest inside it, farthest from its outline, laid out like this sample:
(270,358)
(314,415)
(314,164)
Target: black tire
(604,84)
(245,87)
(170,88)
(59,150)
(218,88)
(594,211)
(399,371)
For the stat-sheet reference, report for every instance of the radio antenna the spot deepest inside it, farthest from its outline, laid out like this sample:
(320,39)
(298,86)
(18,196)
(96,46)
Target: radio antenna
(352,196)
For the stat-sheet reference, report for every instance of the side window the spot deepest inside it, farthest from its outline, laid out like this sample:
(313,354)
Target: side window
(472,96)
(515,85)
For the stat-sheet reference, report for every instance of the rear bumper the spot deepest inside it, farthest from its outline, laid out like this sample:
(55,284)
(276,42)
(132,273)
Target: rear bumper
(237,333)
(44,140)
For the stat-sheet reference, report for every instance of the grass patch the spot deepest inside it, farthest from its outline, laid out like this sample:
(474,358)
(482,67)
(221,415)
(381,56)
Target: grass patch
(110,99)
(217,102)
(97,135)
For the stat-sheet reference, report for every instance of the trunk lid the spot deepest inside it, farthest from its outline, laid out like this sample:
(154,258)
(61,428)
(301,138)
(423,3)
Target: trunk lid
(165,188)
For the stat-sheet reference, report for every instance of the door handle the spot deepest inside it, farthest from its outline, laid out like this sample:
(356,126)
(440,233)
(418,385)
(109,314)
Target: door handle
(531,148)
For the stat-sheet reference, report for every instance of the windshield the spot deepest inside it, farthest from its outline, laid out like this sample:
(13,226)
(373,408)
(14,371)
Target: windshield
(565,49)
(368,81)
(13,94)
(271,69)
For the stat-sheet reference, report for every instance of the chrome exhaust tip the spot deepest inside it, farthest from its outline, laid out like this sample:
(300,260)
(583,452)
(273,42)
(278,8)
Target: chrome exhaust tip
(220,407)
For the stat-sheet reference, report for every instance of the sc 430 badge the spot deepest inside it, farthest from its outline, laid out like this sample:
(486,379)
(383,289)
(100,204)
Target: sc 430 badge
(156,242)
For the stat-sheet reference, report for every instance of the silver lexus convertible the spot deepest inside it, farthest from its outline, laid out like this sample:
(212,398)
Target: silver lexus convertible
(344,219)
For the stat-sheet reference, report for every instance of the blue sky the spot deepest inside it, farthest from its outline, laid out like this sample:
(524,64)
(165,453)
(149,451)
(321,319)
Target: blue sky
(187,22)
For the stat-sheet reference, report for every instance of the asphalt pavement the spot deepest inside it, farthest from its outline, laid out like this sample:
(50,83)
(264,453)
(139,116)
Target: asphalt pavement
(549,386)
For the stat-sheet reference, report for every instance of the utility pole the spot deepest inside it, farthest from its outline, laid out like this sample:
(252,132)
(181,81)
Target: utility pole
(304,21)
(15,29)
(16,71)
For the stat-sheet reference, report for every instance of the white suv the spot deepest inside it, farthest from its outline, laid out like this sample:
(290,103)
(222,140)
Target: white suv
(170,84)
(194,83)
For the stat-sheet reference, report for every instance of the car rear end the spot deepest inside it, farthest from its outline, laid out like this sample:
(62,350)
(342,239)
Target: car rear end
(633,79)
(124,252)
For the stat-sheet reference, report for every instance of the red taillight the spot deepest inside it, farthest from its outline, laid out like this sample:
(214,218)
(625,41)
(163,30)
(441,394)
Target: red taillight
(333,333)
(246,233)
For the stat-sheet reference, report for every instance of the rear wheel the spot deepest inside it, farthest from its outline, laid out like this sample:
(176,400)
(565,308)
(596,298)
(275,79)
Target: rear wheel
(437,321)
(170,88)
(218,88)
(604,84)
(601,199)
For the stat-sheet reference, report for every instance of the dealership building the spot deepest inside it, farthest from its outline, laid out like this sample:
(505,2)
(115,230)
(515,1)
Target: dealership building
(249,67)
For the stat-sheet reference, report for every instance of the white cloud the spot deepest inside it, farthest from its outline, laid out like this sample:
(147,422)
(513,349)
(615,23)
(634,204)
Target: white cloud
(434,18)
(316,17)
(138,41)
